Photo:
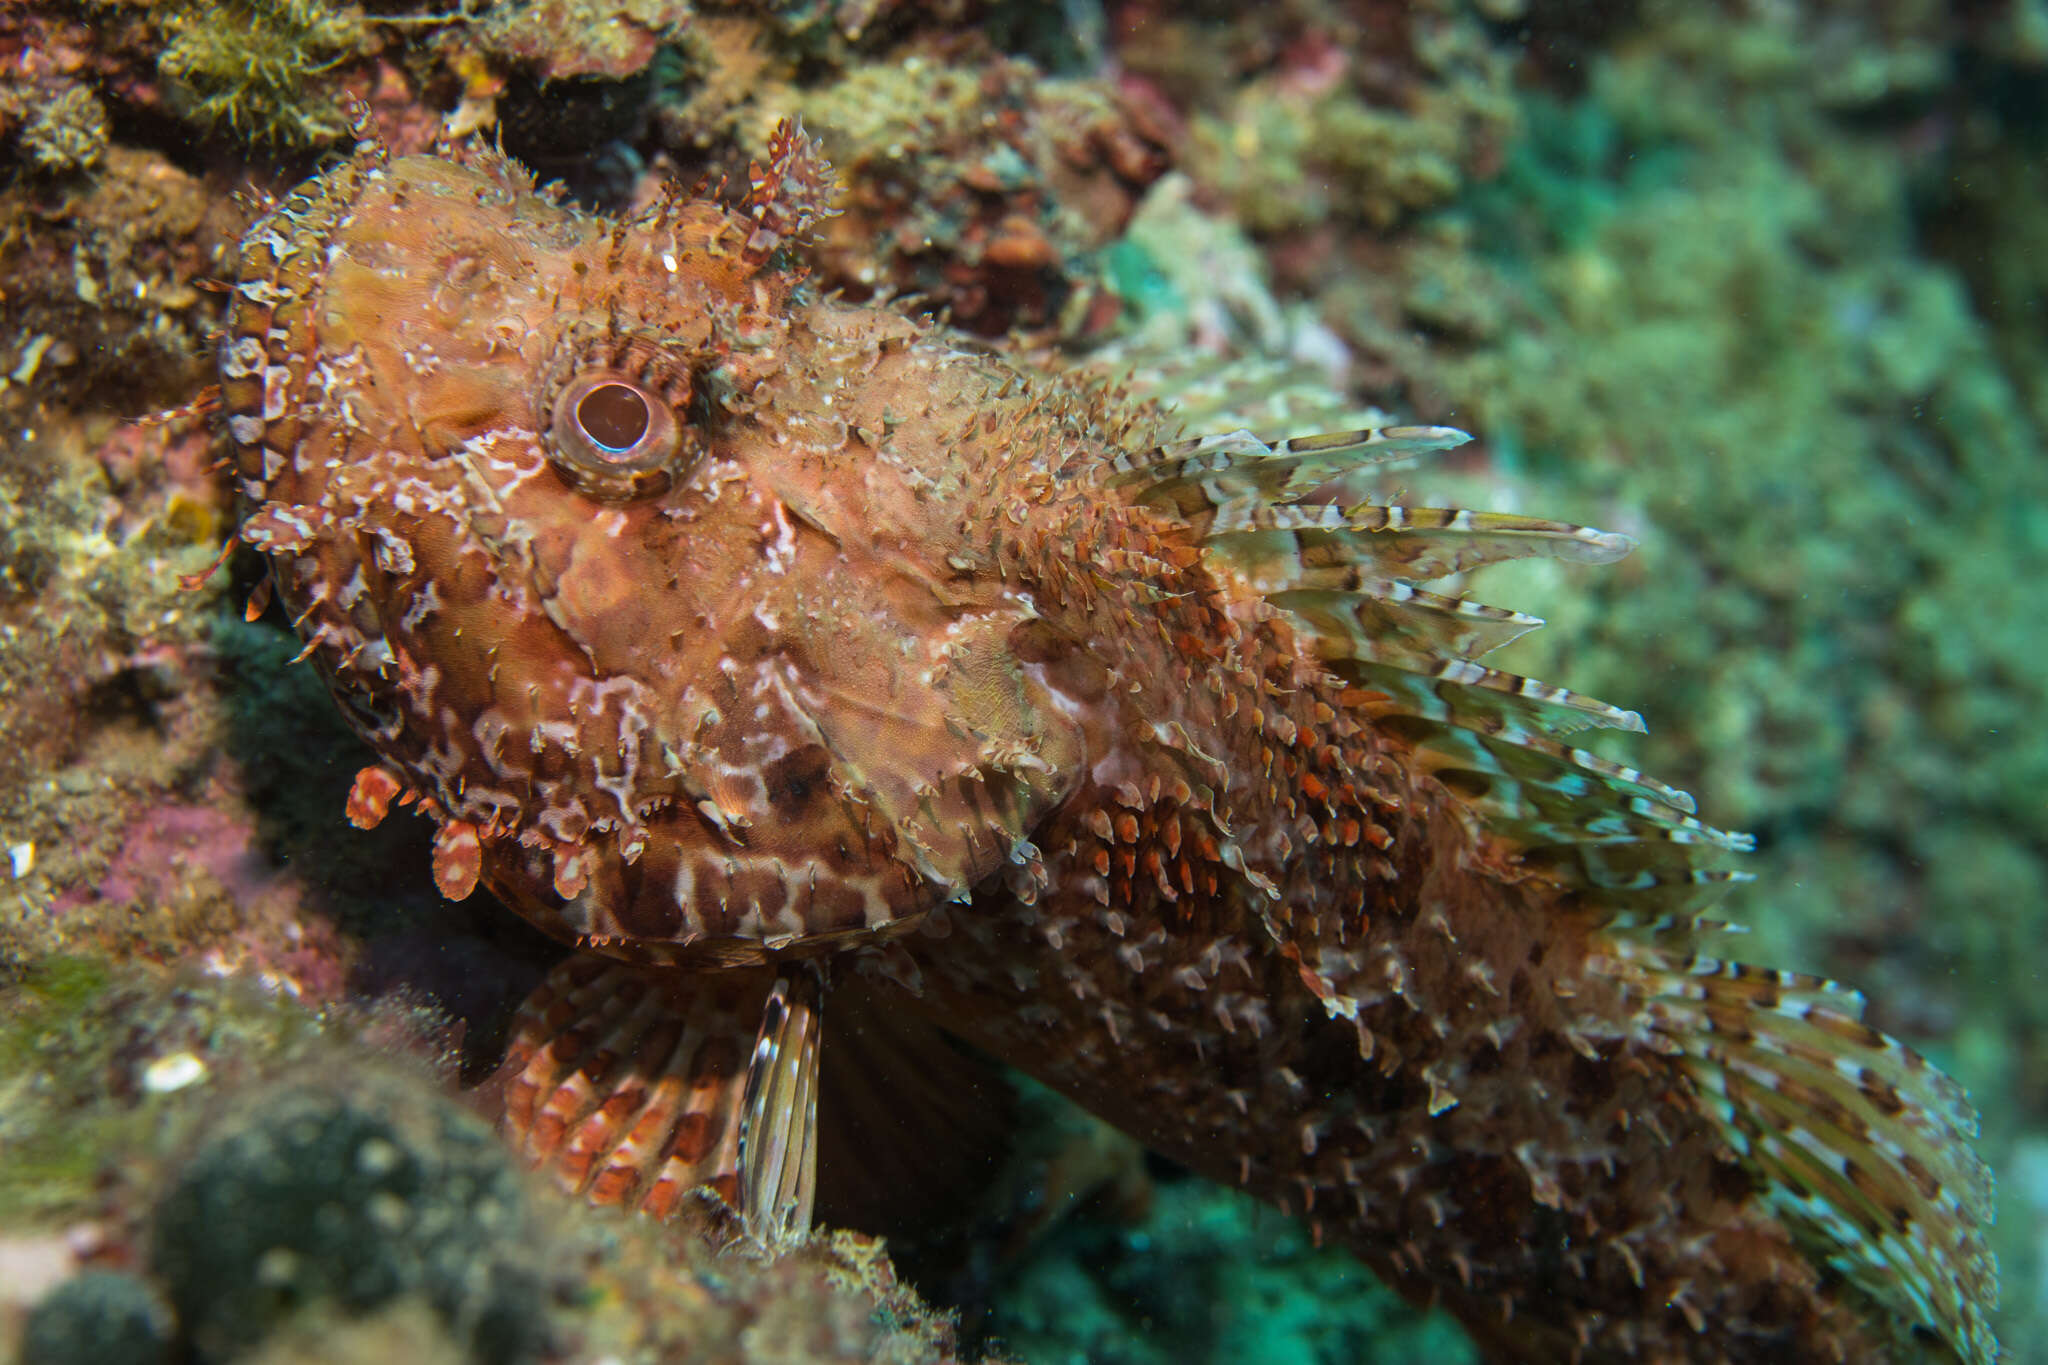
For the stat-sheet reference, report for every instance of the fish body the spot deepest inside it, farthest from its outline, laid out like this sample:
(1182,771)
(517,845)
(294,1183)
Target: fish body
(797,661)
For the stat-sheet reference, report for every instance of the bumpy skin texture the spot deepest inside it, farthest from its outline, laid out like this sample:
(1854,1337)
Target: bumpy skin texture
(899,661)
(716,722)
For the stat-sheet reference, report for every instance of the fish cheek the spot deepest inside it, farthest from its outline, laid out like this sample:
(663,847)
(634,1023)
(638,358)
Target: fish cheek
(459,410)
(465,620)
(794,782)
(1064,665)
(608,587)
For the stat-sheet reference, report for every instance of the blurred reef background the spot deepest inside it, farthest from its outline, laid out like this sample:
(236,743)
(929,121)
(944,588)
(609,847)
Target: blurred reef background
(1759,282)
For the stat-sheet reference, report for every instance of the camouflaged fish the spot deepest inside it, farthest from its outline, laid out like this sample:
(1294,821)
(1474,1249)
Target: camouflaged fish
(821,677)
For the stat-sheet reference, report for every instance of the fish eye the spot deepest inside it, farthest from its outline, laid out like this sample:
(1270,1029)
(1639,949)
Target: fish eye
(613,416)
(613,438)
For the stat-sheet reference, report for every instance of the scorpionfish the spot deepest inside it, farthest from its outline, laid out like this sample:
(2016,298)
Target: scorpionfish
(832,684)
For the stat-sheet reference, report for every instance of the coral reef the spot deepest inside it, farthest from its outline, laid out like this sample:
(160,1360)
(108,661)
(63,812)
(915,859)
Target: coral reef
(99,304)
(975,179)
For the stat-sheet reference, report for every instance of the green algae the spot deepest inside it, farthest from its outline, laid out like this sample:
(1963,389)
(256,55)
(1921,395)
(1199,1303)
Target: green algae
(255,68)
(1289,162)
(53,1050)
(1293,150)
(84,1089)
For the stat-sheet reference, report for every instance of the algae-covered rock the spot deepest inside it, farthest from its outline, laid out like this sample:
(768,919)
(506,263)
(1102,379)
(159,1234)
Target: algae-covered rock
(64,126)
(354,1200)
(99,1318)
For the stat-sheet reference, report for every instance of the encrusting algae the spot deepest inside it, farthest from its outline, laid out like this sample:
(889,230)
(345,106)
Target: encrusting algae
(827,680)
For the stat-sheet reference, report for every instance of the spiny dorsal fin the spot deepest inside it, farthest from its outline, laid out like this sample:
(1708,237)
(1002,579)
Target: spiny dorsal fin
(1344,571)
(1862,1146)
(1328,543)
(1194,477)
(1382,610)
(1365,642)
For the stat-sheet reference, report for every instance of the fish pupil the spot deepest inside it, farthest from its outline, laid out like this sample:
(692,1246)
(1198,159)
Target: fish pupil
(613,417)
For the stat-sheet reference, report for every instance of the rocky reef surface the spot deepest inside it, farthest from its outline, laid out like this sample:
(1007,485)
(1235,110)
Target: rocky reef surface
(1758,284)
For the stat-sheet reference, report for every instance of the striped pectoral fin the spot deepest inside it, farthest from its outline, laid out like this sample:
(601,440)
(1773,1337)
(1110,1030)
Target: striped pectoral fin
(634,1086)
(1861,1146)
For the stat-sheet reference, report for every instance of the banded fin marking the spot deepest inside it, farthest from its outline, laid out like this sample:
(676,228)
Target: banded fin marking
(1380,613)
(1861,1145)
(1362,636)
(1462,722)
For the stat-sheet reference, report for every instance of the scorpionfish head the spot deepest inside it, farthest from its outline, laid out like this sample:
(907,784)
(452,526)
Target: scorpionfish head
(642,568)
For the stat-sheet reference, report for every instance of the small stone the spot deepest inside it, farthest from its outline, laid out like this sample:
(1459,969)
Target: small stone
(376,1157)
(172,1072)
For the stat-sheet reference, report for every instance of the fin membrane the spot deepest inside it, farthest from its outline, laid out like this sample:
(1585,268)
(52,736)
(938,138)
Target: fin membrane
(1193,478)
(634,1087)
(913,1127)
(1323,545)
(778,1150)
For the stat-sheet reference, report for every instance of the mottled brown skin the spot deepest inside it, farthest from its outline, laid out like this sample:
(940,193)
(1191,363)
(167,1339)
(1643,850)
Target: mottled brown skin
(889,679)
(1558,1202)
